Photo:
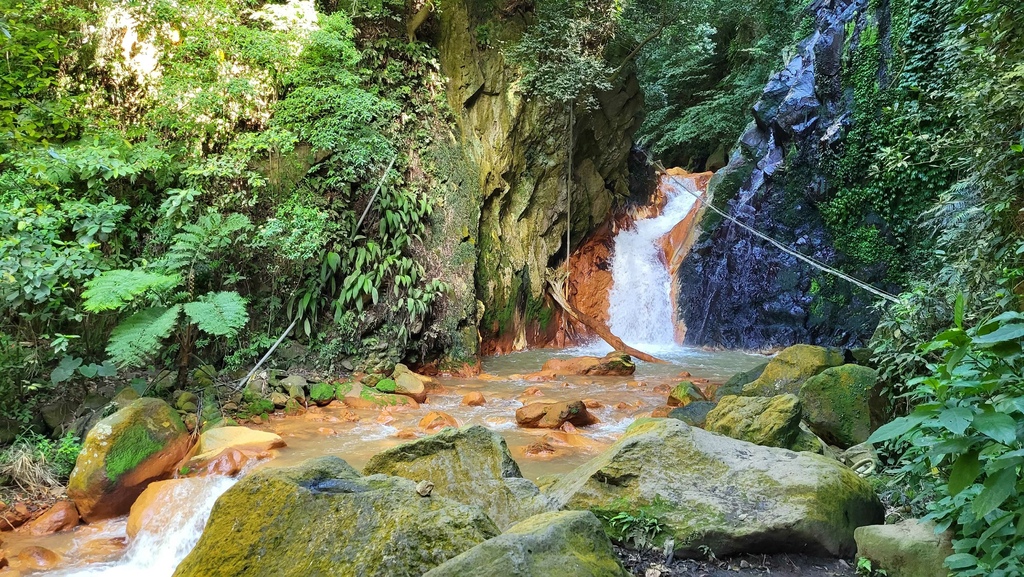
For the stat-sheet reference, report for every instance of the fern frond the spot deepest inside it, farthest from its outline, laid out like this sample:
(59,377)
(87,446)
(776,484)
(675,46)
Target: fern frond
(197,242)
(116,288)
(219,314)
(139,336)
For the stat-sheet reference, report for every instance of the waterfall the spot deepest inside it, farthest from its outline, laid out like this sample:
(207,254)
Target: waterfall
(640,303)
(169,535)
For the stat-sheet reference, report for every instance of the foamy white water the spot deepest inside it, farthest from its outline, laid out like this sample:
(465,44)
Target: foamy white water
(640,302)
(165,541)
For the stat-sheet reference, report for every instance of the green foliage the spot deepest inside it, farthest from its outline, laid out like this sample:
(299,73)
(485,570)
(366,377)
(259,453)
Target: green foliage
(114,290)
(865,569)
(219,314)
(963,444)
(641,527)
(33,462)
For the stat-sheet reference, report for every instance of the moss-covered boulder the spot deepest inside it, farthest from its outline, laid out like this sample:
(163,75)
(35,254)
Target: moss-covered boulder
(694,414)
(772,422)
(322,394)
(735,384)
(789,369)
(907,549)
(554,544)
(683,394)
(357,396)
(842,405)
(471,465)
(729,495)
(123,453)
(322,518)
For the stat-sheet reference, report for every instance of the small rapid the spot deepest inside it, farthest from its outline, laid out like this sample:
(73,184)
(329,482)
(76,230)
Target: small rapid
(639,303)
(168,535)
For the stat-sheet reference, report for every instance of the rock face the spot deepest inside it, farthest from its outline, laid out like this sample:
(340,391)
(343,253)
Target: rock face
(729,495)
(735,384)
(123,453)
(554,544)
(471,465)
(739,291)
(541,415)
(842,405)
(907,549)
(768,421)
(615,363)
(789,369)
(322,518)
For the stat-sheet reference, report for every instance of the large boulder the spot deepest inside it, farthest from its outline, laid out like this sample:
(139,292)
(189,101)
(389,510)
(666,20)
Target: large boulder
(694,414)
(543,415)
(124,453)
(322,518)
(615,363)
(471,465)
(728,495)
(408,383)
(358,396)
(772,422)
(552,544)
(907,549)
(225,450)
(789,369)
(842,405)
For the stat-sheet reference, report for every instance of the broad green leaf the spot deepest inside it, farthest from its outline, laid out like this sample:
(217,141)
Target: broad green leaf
(956,419)
(961,561)
(965,470)
(115,289)
(138,337)
(107,369)
(219,314)
(998,426)
(997,488)
(896,428)
(65,370)
(89,371)
(958,311)
(1004,333)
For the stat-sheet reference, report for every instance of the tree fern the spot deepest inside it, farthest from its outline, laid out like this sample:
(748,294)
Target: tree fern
(219,314)
(141,335)
(117,288)
(198,242)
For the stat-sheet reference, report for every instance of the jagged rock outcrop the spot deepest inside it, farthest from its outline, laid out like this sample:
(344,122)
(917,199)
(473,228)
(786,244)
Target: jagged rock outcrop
(740,291)
(515,150)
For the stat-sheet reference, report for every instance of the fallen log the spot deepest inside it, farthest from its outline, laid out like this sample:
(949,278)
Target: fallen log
(555,290)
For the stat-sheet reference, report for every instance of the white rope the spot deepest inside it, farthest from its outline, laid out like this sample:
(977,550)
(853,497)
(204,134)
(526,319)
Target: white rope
(809,260)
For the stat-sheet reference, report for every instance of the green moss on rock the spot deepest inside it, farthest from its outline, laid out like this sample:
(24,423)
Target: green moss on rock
(842,404)
(385,385)
(790,368)
(772,422)
(129,449)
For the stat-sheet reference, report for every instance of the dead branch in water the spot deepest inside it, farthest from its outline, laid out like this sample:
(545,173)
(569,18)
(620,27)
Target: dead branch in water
(555,290)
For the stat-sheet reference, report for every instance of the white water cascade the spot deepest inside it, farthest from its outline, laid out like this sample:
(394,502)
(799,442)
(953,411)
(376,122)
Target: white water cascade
(640,303)
(169,535)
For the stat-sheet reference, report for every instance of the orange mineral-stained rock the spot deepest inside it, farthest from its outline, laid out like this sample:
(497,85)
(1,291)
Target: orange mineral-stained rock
(474,399)
(592,403)
(434,421)
(661,412)
(40,558)
(554,415)
(13,516)
(615,363)
(63,515)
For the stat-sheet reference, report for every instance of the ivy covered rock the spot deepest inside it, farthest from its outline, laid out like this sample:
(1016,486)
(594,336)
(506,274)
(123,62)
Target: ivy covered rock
(789,369)
(615,363)
(554,544)
(732,496)
(907,549)
(358,396)
(471,465)
(772,422)
(842,405)
(323,518)
(122,454)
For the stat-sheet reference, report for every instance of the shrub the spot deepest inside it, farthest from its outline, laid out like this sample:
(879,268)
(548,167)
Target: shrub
(34,462)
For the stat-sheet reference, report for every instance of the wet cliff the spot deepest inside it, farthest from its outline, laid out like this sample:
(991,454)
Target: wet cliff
(739,291)
(512,207)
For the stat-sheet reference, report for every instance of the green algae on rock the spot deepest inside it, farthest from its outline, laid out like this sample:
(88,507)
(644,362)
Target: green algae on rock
(471,465)
(769,421)
(790,368)
(732,496)
(842,404)
(553,544)
(322,518)
(359,396)
(123,453)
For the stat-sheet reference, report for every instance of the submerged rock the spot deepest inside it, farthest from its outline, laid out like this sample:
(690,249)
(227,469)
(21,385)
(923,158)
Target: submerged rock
(729,495)
(907,549)
(434,421)
(789,369)
(471,465)
(555,544)
(541,415)
(772,422)
(322,518)
(842,404)
(615,363)
(122,454)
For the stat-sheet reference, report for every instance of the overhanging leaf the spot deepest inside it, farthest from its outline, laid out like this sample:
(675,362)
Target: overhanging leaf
(1004,333)
(997,488)
(896,428)
(965,470)
(219,314)
(139,336)
(956,419)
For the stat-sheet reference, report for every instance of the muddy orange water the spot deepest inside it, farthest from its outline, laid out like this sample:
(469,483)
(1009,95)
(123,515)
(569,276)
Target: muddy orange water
(103,549)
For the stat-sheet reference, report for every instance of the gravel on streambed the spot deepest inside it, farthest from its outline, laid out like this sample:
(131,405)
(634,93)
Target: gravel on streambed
(652,564)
